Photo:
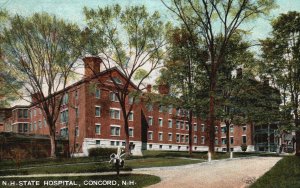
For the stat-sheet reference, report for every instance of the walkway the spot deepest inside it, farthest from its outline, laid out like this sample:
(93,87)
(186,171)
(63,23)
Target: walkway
(217,174)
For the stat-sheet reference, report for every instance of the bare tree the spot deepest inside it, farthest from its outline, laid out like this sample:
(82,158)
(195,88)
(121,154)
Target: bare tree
(132,40)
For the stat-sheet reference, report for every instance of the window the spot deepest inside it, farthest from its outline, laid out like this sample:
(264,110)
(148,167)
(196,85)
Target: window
(202,139)
(182,125)
(170,146)
(178,111)
(115,131)
(223,140)
(216,129)
(170,109)
(195,140)
(244,129)
(170,123)
(117,80)
(160,122)
(114,113)
(23,113)
(64,116)
(160,146)
(34,126)
(223,129)
(177,138)
(131,132)
(182,138)
(98,129)
(186,125)
(76,95)
(97,142)
(187,138)
(195,127)
(150,120)
(76,131)
(64,132)
(170,136)
(76,112)
(113,97)
(150,146)
(97,111)
(130,117)
(216,141)
(231,140)
(130,100)
(30,127)
(112,143)
(34,112)
(65,99)
(150,135)
(177,124)
(244,139)
(20,127)
(45,123)
(25,126)
(160,108)
(149,107)
(98,93)
(160,136)
(40,124)
(231,128)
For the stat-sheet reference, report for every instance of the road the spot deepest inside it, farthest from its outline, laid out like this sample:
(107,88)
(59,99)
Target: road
(235,173)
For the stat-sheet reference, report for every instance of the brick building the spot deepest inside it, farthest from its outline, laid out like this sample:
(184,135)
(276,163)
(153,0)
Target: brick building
(90,116)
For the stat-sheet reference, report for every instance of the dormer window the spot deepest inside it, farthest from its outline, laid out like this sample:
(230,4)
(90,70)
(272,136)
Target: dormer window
(116,80)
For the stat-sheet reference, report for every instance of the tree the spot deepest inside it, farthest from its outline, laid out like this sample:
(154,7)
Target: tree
(210,20)
(282,63)
(130,39)
(7,93)
(40,52)
(182,64)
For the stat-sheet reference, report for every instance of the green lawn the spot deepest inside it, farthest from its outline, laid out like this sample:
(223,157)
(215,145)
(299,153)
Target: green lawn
(131,180)
(100,167)
(285,174)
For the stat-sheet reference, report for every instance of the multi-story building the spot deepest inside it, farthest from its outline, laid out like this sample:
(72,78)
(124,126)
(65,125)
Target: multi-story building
(91,116)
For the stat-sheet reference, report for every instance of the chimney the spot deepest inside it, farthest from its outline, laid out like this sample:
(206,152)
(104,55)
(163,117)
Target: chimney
(149,88)
(91,66)
(164,89)
(239,73)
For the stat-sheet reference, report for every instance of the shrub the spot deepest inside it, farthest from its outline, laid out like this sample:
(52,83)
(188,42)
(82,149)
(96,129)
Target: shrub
(244,147)
(101,152)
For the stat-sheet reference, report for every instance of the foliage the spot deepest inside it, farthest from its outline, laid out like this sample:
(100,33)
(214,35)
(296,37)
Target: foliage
(101,152)
(244,147)
(214,23)
(39,52)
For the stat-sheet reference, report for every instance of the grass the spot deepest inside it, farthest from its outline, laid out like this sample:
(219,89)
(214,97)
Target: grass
(100,167)
(160,162)
(132,181)
(8,164)
(286,173)
(196,155)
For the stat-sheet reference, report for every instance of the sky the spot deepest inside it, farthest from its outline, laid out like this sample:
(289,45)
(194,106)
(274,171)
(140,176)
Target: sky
(72,10)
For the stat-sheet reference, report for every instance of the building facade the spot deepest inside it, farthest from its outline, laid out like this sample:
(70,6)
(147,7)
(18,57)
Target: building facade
(91,116)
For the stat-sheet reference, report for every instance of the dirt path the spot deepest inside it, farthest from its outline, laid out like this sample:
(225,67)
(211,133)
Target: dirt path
(235,173)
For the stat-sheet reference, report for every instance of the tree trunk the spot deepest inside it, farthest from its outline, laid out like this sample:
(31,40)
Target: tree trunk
(297,131)
(127,145)
(190,132)
(211,127)
(53,146)
(227,136)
